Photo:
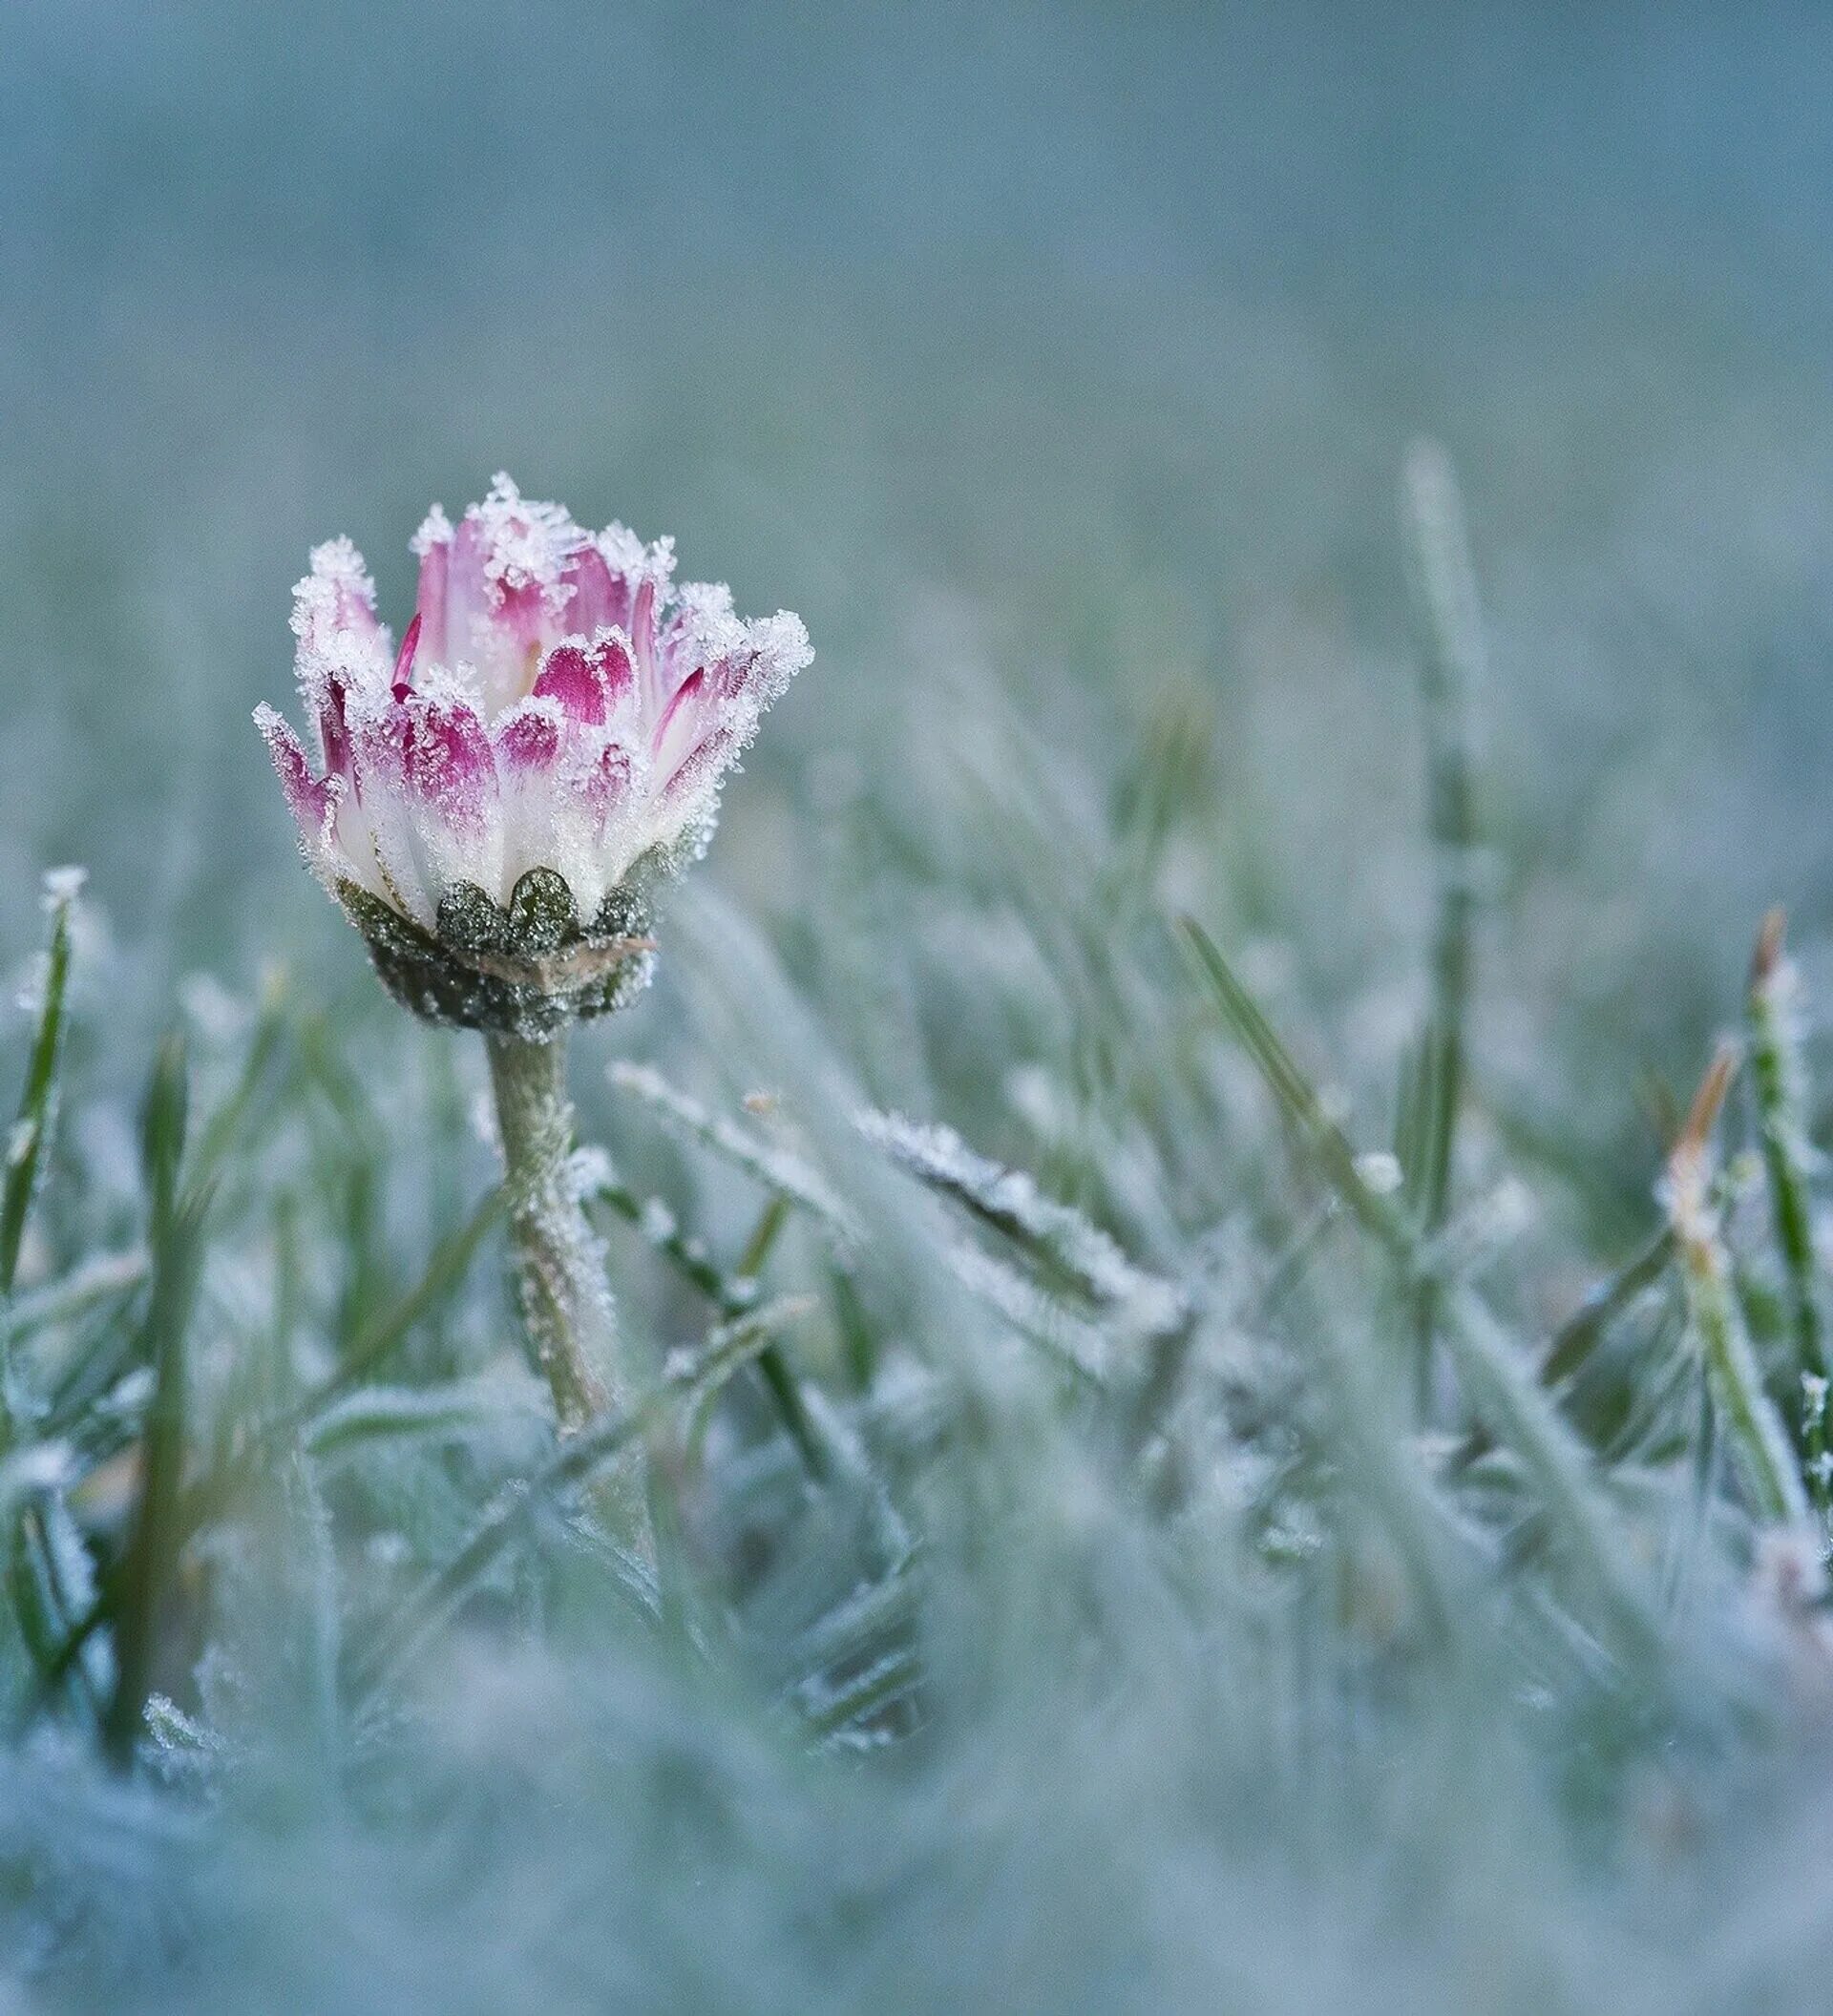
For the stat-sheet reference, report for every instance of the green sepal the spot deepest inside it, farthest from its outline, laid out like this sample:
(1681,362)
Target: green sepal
(542,915)
(470,921)
(527,971)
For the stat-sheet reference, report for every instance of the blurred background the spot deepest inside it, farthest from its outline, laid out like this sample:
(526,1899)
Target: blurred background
(1058,364)
(1055,361)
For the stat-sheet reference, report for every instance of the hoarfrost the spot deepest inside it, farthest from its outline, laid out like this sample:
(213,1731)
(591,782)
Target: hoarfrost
(589,1169)
(658,1223)
(21,1137)
(1021,1303)
(1011,1203)
(63,885)
(775,1168)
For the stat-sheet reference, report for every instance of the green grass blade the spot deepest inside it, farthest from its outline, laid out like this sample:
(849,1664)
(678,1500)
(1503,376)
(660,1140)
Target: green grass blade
(689,1382)
(24,1158)
(1496,1381)
(1778,1072)
(139,1589)
(1451,626)
(1760,1445)
(731,1294)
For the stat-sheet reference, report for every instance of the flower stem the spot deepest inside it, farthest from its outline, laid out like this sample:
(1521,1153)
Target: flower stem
(558,1263)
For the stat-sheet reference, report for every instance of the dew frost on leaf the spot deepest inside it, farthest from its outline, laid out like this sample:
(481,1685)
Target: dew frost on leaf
(1011,1202)
(775,1167)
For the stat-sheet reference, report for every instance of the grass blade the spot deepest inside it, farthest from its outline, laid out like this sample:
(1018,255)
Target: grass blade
(1451,669)
(1778,1072)
(1501,1389)
(689,1380)
(37,1101)
(1452,666)
(1758,1444)
(139,1587)
(773,1167)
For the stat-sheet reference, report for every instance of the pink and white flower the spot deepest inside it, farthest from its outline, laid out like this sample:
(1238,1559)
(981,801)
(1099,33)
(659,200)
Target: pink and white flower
(556,701)
(557,707)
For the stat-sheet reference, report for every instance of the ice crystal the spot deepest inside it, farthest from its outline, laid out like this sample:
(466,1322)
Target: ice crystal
(1010,1202)
(776,1168)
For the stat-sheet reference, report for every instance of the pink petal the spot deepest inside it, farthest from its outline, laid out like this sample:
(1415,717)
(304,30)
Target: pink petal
(520,615)
(467,592)
(309,798)
(336,599)
(431,599)
(404,659)
(572,677)
(378,753)
(449,764)
(607,784)
(598,599)
(701,766)
(528,739)
(333,729)
(642,641)
(612,657)
(686,698)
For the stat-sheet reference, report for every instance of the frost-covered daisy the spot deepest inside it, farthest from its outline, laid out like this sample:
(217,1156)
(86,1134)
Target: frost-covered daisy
(496,795)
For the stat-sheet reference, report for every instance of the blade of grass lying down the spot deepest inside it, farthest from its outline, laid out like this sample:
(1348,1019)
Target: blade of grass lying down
(847,1634)
(1758,1444)
(42,1617)
(730,1295)
(37,1103)
(391,1413)
(832,1711)
(106,1278)
(773,1167)
(1076,1344)
(1580,1334)
(1501,1390)
(1576,1340)
(69,1582)
(1070,1249)
(689,1380)
(31,1481)
(598,1183)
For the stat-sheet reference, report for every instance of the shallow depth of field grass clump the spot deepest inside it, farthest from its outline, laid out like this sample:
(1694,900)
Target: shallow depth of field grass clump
(1141,1518)
(1218,1211)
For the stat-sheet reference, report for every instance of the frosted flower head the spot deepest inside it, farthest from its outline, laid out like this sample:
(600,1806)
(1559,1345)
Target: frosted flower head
(495,797)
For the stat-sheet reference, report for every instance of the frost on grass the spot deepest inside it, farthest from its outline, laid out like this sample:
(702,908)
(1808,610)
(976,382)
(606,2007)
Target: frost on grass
(775,1168)
(1010,1202)
(1019,1301)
